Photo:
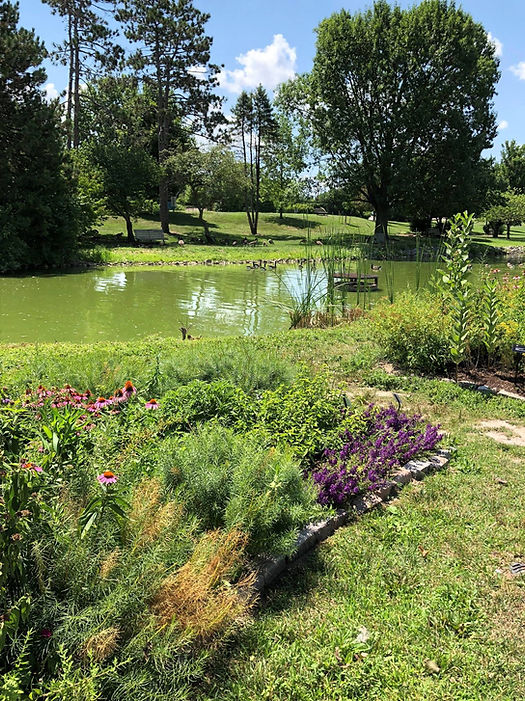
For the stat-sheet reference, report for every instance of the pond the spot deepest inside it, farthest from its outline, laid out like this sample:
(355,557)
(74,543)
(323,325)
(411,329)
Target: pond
(129,303)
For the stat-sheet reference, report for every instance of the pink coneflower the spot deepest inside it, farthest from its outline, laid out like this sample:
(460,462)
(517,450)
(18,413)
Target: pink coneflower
(152,404)
(129,389)
(119,396)
(107,477)
(31,466)
(101,403)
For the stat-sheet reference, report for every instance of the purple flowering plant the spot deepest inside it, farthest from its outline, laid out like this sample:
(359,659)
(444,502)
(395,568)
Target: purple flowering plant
(379,443)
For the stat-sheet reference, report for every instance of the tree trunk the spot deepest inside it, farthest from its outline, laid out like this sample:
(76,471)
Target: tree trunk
(70,81)
(280,213)
(508,231)
(381,227)
(163,202)
(76,87)
(129,229)
(164,190)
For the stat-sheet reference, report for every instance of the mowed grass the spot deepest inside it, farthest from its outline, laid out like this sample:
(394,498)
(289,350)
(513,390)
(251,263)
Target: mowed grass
(288,236)
(413,601)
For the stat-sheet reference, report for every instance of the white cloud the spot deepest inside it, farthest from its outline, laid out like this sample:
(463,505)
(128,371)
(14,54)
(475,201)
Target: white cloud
(51,91)
(497,44)
(269,66)
(503,124)
(519,70)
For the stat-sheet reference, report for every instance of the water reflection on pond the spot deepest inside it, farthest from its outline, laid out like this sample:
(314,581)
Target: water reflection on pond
(124,304)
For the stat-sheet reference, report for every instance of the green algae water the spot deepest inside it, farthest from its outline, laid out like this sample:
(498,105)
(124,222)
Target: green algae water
(129,303)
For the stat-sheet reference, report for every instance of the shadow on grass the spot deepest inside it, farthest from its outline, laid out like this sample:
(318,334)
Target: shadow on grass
(179,219)
(293,222)
(291,591)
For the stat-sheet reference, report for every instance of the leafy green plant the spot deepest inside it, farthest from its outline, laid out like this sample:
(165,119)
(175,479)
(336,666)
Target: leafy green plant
(301,415)
(107,504)
(200,401)
(231,481)
(413,332)
(60,434)
(453,283)
(490,311)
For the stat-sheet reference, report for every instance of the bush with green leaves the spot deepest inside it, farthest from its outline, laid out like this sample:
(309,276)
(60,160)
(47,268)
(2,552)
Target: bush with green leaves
(200,401)
(301,415)
(413,332)
(231,481)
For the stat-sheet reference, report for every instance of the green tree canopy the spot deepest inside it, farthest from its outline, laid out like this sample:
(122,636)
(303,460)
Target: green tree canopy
(397,93)
(255,128)
(509,212)
(117,127)
(513,165)
(173,58)
(39,214)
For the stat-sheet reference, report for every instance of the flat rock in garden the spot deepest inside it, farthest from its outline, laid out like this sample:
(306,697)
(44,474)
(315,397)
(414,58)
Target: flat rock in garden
(504,432)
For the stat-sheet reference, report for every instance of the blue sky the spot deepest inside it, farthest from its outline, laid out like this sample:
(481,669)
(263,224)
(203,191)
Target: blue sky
(269,40)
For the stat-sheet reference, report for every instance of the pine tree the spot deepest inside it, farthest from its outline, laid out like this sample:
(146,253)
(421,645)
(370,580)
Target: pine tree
(174,59)
(38,214)
(90,44)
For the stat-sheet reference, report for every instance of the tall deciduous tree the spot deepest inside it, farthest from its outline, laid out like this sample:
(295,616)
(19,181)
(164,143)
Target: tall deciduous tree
(211,176)
(39,216)
(116,135)
(173,57)
(513,165)
(285,160)
(90,43)
(393,92)
(256,129)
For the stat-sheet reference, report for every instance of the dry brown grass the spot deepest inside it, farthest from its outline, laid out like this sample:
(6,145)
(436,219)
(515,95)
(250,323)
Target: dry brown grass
(149,517)
(101,645)
(109,563)
(200,596)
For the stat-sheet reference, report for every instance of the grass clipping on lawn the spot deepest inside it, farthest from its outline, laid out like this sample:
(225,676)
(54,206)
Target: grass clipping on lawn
(200,596)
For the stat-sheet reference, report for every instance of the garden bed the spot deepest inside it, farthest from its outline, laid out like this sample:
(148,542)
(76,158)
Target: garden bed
(132,525)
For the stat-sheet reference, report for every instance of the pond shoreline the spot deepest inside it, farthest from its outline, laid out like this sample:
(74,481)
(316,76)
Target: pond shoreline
(494,253)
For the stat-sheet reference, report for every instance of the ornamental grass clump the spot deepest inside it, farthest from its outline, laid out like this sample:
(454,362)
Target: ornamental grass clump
(388,439)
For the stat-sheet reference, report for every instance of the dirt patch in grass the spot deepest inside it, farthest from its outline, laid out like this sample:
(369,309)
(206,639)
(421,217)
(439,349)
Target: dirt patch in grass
(504,432)
(497,379)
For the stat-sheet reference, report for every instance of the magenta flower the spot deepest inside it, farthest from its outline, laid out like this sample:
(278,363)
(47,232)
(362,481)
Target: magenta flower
(46,633)
(107,477)
(101,403)
(31,466)
(152,404)
(128,389)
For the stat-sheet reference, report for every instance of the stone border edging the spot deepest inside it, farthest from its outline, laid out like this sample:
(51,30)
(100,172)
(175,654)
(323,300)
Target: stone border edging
(485,389)
(315,533)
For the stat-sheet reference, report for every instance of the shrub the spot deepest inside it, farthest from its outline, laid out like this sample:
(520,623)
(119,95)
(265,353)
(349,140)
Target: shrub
(230,481)
(202,401)
(250,370)
(301,415)
(414,332)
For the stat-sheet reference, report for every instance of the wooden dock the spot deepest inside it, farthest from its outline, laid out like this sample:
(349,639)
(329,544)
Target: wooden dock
(354,280)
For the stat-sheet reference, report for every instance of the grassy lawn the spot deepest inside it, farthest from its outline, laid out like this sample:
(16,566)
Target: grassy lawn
(426,578)
(287,235)
(423,581)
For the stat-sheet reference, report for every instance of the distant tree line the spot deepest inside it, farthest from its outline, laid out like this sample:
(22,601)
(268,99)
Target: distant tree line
(393,119)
